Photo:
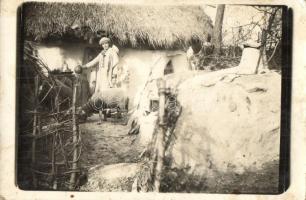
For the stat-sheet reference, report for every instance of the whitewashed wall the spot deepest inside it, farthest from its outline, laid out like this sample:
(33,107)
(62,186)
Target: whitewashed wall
(138,63)
(55,55)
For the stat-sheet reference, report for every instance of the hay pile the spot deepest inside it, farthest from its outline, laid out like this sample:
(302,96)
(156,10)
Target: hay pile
(229,122)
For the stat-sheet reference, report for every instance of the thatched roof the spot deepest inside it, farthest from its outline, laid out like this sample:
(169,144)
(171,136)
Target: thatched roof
(135,25)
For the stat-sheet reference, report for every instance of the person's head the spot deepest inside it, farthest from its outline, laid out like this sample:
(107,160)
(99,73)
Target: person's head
(105,43)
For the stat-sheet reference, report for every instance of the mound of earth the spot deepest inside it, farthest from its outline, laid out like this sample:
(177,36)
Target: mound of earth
(229,122)
(111,178)
(229,127)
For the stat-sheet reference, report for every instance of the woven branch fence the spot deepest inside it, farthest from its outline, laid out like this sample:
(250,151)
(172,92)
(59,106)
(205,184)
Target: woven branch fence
(49,143)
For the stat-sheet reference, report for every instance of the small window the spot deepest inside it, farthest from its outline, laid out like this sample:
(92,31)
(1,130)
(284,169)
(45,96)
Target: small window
(154,105)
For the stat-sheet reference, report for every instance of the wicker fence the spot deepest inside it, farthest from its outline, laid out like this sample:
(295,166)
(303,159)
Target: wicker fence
(49,140)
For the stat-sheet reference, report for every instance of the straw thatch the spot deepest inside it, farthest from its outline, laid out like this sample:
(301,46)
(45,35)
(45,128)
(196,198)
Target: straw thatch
(135,25)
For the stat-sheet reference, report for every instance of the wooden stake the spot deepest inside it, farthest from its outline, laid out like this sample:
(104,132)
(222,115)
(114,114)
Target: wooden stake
(54,137)
(75,131)
(33,157)
(160,150)
(54,182)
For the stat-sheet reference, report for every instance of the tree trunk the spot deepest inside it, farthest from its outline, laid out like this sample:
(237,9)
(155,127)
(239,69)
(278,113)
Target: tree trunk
(217,32)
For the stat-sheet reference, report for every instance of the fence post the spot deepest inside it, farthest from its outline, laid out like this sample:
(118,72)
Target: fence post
(54,143)
(53,160)
(161,84)
(35,123)
(75,131)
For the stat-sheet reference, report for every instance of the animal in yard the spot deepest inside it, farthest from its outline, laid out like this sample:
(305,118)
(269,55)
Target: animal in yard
(112,101)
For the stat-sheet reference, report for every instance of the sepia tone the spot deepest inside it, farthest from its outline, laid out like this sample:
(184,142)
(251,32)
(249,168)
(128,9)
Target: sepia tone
(150,98)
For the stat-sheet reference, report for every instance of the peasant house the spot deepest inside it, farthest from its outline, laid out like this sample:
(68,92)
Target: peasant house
(153,39)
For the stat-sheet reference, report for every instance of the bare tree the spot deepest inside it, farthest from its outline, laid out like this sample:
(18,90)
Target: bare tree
(217,32)
(269,29)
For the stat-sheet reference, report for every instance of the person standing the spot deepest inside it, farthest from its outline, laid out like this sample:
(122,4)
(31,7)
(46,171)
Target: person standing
(106,61)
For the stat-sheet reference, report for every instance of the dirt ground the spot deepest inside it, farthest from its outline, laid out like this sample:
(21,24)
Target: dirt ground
(107,143)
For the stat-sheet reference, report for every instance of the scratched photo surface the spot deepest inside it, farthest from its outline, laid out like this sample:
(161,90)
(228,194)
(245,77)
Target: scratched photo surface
(153,98)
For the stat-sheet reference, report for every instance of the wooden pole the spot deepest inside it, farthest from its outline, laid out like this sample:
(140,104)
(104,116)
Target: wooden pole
(54,136)
(35,120)
(160,150)
(54,182)
(261,51)
(39,128)
(75,131)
